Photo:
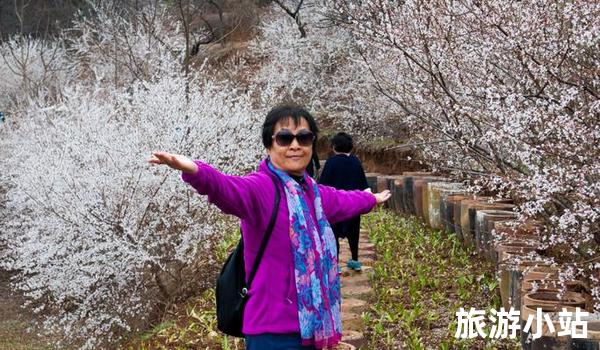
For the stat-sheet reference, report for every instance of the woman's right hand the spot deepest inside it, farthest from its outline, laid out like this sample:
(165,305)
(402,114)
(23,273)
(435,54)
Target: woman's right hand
(175,161)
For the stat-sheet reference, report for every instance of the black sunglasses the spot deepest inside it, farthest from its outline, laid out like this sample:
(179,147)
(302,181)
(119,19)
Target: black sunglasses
(285,138)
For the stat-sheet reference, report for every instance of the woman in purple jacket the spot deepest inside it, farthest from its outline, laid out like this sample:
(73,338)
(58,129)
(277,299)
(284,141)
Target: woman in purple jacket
(294,300)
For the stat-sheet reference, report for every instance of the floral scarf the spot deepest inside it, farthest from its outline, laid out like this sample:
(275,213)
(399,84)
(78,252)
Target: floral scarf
(315,260)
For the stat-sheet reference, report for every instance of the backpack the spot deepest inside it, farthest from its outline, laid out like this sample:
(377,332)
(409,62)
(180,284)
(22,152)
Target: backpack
(232,289)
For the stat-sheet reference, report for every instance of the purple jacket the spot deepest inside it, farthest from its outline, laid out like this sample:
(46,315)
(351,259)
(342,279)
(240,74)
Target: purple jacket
(272,305)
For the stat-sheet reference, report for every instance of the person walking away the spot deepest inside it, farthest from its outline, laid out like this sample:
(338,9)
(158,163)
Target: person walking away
(344,171)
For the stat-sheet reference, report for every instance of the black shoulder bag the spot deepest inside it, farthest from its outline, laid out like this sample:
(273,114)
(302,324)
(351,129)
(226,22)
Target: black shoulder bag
(232,290)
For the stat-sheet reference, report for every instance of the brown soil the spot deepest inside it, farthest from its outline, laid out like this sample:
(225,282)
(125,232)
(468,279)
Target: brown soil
(14,321)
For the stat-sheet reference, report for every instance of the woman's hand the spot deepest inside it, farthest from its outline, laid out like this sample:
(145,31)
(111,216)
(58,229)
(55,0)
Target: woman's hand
(175,161)
(382,196)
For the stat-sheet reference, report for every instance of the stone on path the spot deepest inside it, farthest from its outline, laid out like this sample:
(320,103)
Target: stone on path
(367,246)
(350,304)
(345,346)
(355,291)
(350,335)
(356,280)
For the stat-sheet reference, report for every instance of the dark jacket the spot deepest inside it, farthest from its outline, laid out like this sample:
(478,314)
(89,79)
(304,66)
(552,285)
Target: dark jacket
(344,173)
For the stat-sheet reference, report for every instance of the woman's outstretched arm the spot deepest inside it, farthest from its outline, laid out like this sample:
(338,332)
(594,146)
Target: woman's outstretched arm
(340,205)
(231,194)
(175,161)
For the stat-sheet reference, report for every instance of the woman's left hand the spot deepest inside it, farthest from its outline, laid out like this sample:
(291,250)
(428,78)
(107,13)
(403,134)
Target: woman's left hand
(382,196)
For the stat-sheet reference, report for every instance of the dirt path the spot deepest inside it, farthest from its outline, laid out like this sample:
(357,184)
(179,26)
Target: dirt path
(14,322)
(355,291)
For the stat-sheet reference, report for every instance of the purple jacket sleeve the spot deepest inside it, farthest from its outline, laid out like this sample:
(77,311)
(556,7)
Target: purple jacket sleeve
(231,194)
(340,205)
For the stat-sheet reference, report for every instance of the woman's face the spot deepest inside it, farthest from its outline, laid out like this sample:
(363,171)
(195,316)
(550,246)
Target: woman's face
(293,158)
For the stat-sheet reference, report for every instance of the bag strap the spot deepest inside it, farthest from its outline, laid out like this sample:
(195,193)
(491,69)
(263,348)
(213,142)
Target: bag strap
(265,239)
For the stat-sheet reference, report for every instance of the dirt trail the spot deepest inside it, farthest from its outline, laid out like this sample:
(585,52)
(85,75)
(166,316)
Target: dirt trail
(355,291)
(14,321)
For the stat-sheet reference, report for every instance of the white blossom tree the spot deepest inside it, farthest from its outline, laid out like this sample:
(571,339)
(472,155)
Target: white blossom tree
(505,94)
(93,231)
(322,69)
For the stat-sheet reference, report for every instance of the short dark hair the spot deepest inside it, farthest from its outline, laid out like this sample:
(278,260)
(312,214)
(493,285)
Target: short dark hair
(282,112)
(342,142)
